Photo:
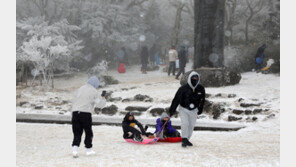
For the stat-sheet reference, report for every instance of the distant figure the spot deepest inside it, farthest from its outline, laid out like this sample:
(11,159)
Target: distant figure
(152,52)
(173,55)
(122,57)
(182,61)
(259,57)
(144,59)
(121,68)
(85,99)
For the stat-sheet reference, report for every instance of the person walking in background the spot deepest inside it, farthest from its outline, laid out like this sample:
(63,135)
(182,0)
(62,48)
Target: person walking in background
(144,59)
(182,61)
(259,57)
(86,98)
(173,55)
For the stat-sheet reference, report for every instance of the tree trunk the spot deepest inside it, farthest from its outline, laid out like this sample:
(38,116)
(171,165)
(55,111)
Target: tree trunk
(209,33)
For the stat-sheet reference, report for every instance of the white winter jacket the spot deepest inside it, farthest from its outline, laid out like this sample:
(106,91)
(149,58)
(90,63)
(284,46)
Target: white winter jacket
(86,98)
(173,55)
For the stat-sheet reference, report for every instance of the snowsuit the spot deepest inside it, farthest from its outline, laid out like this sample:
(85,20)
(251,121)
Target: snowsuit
(83,105)
(129,126)
(182,61)
(144,58)
(173,55)
(168,130)
(191,99)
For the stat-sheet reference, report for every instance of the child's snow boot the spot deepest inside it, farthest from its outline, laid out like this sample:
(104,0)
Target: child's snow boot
(75,152)
(89,152)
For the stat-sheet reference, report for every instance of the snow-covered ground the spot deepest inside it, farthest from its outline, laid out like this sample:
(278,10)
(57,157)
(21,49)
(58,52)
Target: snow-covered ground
(253,88)
(50,145)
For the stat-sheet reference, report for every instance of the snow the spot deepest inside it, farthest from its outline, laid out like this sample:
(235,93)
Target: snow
(256,146)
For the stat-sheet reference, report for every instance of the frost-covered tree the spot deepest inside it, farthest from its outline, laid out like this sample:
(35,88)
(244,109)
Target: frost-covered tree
(48,47)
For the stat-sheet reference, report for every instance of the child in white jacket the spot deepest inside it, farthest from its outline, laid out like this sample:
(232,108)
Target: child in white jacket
(86,98)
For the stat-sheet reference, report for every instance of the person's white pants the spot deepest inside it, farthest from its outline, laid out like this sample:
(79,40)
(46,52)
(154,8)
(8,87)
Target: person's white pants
(188,120)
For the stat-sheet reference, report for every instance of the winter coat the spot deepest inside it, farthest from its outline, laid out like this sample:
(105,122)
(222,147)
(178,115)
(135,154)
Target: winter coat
(121,68)
(189,97)
(260,51)
(87,97)
(168,126)
(144,56)
(173,55)
(128,126)
(182,57)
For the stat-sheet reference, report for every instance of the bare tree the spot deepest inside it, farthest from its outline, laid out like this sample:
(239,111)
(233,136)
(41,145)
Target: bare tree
(254,7)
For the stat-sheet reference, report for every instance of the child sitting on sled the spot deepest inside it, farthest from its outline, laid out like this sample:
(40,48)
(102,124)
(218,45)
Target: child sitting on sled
(168,130)
(129,130)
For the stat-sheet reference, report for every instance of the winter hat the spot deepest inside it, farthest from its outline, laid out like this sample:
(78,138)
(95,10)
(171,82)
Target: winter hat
(163,115)
(94,81)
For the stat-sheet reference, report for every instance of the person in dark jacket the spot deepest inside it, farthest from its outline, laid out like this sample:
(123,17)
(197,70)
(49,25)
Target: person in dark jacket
(191,98)
(168,130)
(182,61)
(259,57)
(129,131)
(144,59)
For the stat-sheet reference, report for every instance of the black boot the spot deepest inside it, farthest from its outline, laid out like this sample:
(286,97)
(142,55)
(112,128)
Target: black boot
(146,127)
(184,142)
(188,143)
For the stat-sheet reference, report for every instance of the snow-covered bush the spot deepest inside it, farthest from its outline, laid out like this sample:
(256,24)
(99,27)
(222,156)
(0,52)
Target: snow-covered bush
(100,70)
(48,47)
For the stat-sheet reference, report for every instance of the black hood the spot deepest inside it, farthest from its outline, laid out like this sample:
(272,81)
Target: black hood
(127,116)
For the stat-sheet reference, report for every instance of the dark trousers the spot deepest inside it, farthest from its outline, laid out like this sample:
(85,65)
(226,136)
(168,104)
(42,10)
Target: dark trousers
(181,70)
(134,131)
(167,134)
(172,67)
(82,121)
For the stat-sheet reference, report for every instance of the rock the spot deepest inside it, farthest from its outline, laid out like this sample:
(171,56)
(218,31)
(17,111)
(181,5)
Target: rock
(208,95)
(115,99)
(201,116)
(248,104)
(257,111)
(231,95)
(124,89)
(38,107)
(217,110)
(254,118)
(110,110)
(97,110)
(176,115)
(135,113)
(240,99)
(149,100)
(248,112)
(23,102)
(58,107)
(140,97)
(134,87)
(207,106)
(233,118)
(270,116)
(65,102)
(109,80)
(218,95)
(214,77)
(108,95)
(62,112)
(157,111)
(136,108)
(127,100)
(238,112)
